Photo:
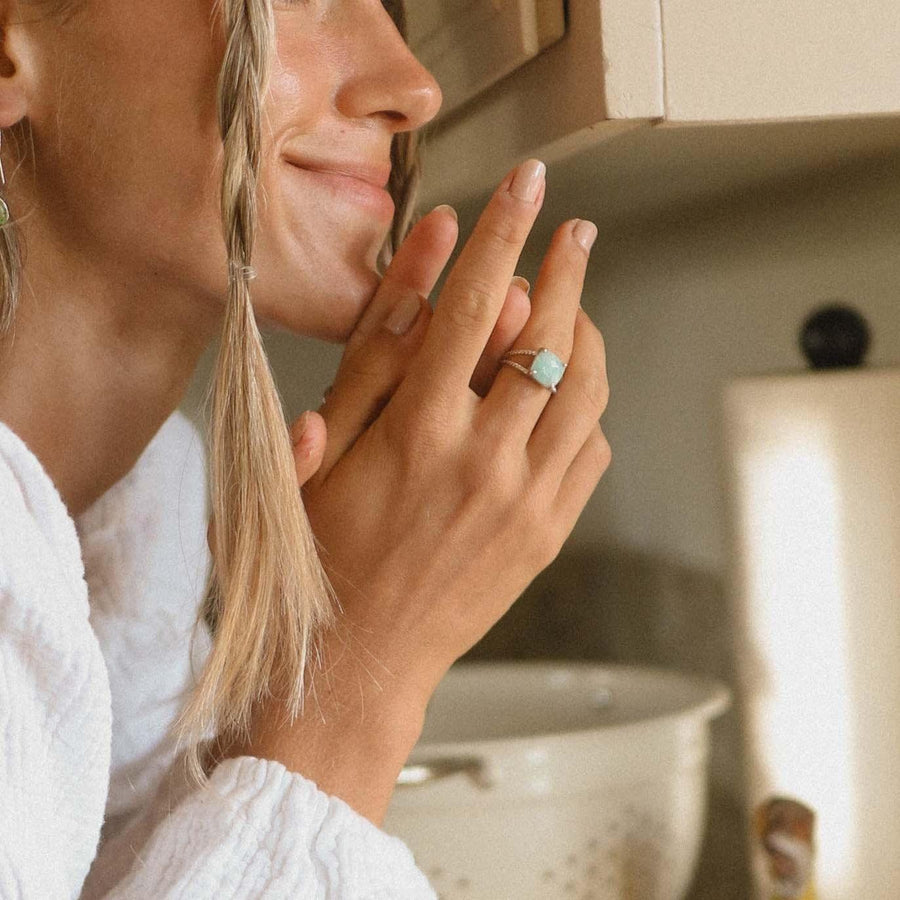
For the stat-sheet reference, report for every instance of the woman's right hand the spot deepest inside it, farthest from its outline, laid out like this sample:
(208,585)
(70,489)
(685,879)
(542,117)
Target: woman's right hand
(434,519)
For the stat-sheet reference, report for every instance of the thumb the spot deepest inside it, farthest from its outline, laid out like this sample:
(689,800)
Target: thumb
(377,352)
(308,434)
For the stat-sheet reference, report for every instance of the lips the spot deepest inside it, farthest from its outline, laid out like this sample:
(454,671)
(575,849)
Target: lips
(376,175)
(355,183)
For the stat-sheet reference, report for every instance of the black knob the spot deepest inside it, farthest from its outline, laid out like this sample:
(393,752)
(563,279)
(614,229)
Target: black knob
(835,337)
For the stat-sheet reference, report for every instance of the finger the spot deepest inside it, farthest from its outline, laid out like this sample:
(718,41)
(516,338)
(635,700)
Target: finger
(515,402)
(413,271)
(522,284)
(513,317)
(377,356)
(368,379)
(309,436)
(572,413)
(470,302)
(581,479)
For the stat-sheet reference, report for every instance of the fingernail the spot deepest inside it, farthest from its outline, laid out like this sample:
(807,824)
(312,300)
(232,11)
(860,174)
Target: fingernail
(403,315)
(299,428)
(521,282)
(305,447)
(585,233)
(526,184)
(446,208)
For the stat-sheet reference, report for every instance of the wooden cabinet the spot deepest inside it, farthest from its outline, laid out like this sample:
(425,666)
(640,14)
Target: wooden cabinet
(623,65)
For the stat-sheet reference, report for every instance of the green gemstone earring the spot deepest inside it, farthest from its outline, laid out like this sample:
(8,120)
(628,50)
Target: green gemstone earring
(4,209)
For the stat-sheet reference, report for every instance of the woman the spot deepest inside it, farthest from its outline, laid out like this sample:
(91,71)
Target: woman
(437,480)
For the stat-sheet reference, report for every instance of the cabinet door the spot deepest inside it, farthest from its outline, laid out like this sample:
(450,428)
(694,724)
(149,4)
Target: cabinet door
(772,59)
(468,45)
(603,77)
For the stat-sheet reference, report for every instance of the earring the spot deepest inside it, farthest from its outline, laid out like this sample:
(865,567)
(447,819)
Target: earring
(4,209)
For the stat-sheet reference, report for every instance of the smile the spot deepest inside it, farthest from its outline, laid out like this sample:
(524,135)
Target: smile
(351,190)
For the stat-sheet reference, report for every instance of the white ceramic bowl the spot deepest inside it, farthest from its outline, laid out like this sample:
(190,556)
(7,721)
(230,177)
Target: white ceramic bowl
(544,780)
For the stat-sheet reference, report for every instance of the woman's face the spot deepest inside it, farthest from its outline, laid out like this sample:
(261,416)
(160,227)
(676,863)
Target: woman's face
(121,98)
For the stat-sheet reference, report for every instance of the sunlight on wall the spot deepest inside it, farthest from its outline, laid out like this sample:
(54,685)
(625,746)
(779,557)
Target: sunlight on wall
(800,719)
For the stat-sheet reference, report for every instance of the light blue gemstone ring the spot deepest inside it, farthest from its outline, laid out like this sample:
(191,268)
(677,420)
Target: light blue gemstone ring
(547,369)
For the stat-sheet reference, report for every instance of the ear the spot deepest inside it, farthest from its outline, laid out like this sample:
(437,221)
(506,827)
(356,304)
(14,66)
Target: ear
(15,42)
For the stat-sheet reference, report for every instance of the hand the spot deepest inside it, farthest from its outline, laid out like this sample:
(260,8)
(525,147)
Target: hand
(412,274)
(439,506)
(375,359)
(373,364)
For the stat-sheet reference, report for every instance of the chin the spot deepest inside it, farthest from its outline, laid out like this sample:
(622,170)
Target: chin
(326,318)
(314,291)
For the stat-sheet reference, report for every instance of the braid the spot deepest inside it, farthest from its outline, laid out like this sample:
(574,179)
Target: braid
(242,85)
(268,596)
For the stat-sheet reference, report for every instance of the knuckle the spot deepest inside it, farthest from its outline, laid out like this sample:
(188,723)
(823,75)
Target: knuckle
(356,340)
(547,548)
(572,264)
(600,451)
(540,540)
(591,390)
(508,229)
(418,435)
(555,547)
(471,303)
(591,333)
(601,392)
(491,474)
(362,370)
(594,382)
(599,343)
(508,493)
(531,511)
(370,362)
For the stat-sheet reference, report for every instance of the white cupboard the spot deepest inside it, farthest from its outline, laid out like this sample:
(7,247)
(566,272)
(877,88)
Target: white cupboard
(770,59)
(622,65)
(469,45)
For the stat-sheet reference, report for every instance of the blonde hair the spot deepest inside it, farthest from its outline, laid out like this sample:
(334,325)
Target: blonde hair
(268,599)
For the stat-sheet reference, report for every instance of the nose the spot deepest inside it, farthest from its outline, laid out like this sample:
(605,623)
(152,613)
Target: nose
(385,79)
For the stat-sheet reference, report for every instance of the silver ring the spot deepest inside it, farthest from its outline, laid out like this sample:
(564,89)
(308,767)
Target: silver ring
(547,369)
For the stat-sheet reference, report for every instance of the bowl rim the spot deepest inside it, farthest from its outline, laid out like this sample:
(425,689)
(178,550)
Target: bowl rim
(714,698)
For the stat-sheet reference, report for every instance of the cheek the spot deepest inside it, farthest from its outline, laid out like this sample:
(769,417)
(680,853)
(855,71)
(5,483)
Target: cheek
(301,81)
(127,154)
